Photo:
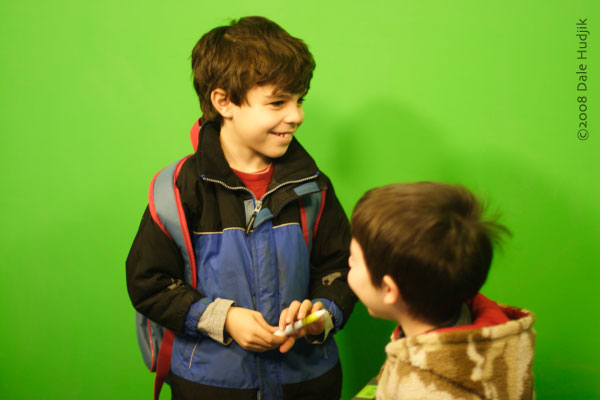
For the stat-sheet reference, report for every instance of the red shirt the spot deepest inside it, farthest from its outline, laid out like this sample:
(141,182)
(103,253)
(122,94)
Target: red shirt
(257,182)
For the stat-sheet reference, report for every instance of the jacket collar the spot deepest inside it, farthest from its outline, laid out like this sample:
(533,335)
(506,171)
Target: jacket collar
(295,164)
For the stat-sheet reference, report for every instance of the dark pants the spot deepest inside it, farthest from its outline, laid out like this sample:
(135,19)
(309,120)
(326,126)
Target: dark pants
(326,387)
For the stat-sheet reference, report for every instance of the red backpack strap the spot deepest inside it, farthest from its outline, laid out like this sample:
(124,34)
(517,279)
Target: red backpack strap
(194,132)
(164,362)
(311,208)
(318,217)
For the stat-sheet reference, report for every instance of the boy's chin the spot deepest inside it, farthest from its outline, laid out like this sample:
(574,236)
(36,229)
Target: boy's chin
(276,153)
(373,313)
(380,315)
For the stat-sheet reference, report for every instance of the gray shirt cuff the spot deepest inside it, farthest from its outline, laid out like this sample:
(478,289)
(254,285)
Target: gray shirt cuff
(212,321)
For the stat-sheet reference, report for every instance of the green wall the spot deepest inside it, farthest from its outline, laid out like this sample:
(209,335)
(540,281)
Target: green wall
(95,97)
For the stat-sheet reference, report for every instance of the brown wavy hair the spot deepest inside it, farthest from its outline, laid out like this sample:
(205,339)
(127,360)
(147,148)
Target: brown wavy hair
(251,51)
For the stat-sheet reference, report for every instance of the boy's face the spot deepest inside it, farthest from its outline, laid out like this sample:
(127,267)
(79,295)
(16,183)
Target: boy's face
(359,279)
(262,127)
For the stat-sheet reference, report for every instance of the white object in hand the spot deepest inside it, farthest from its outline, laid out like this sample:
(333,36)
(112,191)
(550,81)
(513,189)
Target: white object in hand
(296,326)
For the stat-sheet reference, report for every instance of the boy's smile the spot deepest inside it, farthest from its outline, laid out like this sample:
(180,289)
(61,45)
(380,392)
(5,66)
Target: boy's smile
(261,128)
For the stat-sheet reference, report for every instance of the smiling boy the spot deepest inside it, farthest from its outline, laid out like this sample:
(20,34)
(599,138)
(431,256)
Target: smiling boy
(260,129)
(259,267)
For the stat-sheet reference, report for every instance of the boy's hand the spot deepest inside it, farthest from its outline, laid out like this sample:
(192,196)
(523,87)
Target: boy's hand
(250,330)
(297,311)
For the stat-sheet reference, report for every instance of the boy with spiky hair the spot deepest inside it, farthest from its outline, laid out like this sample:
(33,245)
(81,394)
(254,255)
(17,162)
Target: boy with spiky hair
(258,266)
(420,253)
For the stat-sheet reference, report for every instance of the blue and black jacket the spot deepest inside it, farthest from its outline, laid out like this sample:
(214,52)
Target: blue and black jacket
(251,251)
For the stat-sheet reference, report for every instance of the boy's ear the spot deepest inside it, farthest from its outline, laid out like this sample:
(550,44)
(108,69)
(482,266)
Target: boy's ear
(221,102)
(391,291)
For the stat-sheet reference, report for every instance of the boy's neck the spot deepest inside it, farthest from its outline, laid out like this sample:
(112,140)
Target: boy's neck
(241,158)
(412,326)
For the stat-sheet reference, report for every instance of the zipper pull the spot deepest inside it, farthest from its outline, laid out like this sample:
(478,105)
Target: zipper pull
(253,217)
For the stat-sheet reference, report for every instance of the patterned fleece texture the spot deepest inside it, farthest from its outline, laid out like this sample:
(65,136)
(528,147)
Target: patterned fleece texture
(486,360)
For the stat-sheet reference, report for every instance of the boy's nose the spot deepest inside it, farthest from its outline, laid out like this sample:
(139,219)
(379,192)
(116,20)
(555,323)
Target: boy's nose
(295,116)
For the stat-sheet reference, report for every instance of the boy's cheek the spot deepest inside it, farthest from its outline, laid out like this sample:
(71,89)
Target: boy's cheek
(350,280)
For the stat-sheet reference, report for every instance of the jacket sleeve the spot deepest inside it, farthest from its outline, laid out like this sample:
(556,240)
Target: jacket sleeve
(155,280)
(329,261)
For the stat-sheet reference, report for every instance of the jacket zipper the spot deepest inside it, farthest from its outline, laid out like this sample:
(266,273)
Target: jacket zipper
(257,207)
(258,203)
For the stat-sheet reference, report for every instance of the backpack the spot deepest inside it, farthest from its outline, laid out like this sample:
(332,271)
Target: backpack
(155,341)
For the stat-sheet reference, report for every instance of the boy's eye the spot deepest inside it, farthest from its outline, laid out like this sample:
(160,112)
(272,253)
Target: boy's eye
(280,103)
